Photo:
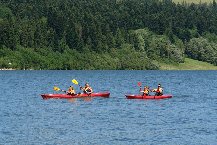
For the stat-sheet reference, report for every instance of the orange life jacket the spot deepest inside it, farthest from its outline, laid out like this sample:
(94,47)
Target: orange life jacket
(70,90)
(146,91)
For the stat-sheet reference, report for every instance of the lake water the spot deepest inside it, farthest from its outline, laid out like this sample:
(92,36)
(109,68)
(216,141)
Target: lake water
(189,118)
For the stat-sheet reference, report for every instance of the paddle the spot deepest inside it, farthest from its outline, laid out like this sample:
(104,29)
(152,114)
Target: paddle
(139,84)
(58,89)
(74,81)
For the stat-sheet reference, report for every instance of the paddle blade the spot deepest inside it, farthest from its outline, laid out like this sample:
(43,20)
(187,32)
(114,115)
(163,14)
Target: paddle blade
(75,81)
(56,88)
(139,84)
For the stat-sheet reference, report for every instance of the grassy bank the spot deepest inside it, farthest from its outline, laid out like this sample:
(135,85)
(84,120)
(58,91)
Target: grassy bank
(189,64)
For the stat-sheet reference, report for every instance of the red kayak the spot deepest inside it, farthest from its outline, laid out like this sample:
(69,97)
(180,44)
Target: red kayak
(147,97)
(82,95)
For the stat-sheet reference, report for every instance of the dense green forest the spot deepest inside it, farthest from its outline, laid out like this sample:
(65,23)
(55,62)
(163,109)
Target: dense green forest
(105,34)
(193,1)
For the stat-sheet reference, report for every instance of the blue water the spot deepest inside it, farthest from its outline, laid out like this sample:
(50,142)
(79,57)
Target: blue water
(189,118)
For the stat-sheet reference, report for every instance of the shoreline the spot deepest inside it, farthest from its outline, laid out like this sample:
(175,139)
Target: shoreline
(7,69)
(161,69)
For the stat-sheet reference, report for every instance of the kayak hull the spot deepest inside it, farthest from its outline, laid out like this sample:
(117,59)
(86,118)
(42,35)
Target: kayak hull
(132,96)
(82,95)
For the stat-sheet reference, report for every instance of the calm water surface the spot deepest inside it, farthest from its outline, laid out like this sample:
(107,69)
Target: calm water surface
(189,118)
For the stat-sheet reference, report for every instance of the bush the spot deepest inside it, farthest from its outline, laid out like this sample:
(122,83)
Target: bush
(202,49)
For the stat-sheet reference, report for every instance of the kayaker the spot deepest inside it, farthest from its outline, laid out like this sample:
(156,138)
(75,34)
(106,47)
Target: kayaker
(87,89)
(71,91)
(145,91)
(158,91)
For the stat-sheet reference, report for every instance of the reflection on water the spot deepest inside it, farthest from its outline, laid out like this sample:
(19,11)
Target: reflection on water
(72,100)
(85,99)
(88,99)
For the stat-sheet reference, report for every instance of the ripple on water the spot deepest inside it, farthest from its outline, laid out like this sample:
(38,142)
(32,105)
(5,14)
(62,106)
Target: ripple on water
(187,118)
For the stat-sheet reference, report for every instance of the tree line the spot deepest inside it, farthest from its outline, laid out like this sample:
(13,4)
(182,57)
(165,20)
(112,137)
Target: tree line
(105,34)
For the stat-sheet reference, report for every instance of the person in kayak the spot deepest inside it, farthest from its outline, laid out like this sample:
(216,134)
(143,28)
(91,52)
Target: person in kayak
(145,91)
(158,91)
(87,89)
(71,91)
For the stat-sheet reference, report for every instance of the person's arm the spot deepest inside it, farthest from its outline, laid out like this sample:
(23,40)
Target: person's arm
(91,90)
(73,92)
(154,90)
(68,91)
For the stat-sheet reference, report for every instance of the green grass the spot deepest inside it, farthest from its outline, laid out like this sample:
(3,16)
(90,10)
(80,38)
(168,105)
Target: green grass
(189,64)
(193,1)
